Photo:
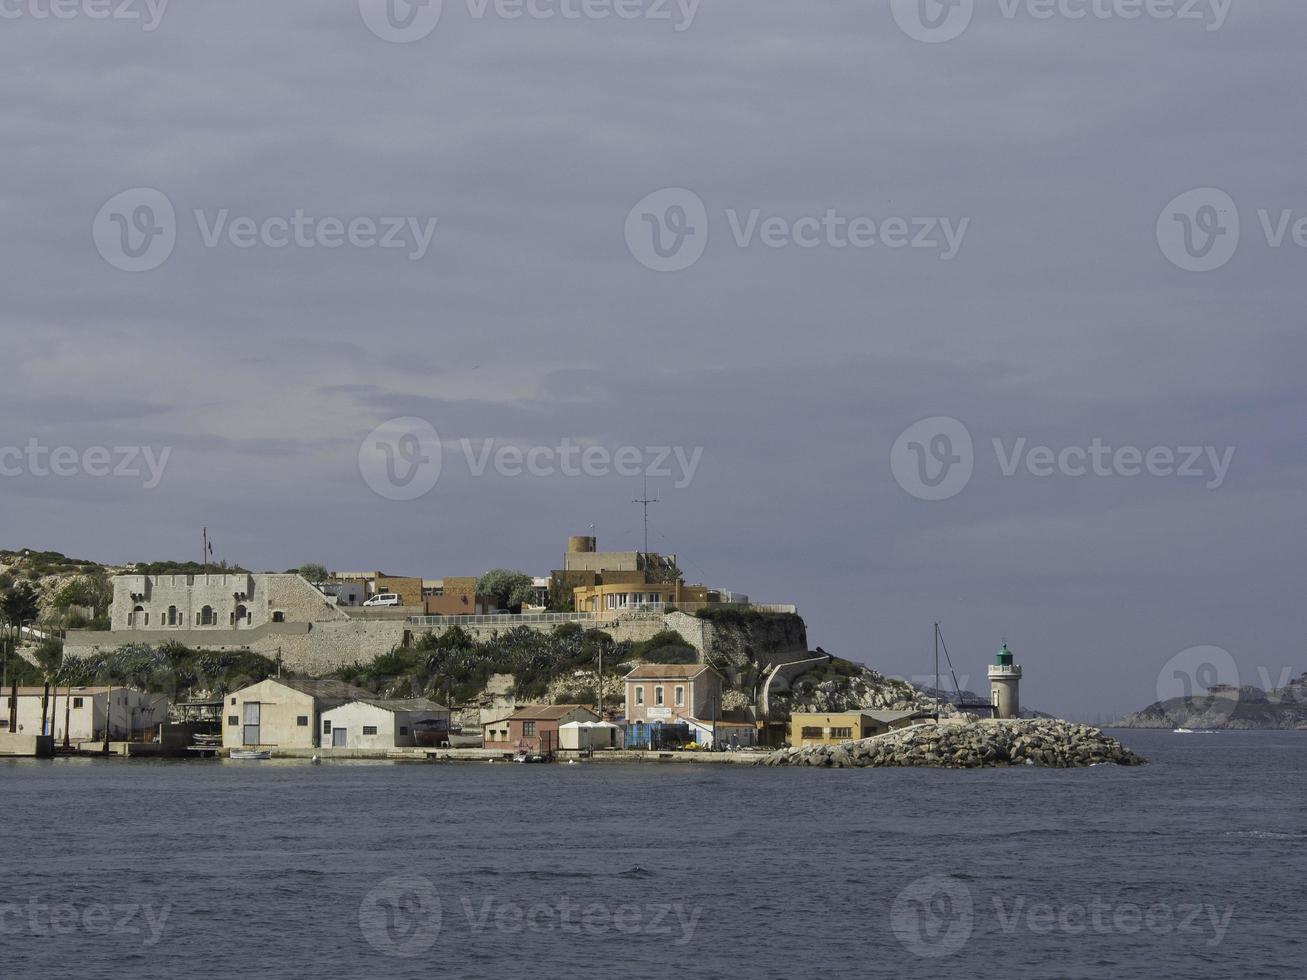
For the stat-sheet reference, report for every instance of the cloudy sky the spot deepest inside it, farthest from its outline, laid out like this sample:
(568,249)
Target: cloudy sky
(772,236)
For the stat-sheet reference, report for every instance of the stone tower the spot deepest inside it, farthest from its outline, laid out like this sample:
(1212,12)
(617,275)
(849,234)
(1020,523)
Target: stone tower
(1004,685)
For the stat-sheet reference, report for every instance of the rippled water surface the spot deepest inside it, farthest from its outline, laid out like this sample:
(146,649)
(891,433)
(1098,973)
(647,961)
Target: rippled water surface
(1190,867)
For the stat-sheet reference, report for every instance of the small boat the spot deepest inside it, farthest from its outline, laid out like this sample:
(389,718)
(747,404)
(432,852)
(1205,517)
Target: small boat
(431,733)
(249,754)
(524,756)
(1183,731)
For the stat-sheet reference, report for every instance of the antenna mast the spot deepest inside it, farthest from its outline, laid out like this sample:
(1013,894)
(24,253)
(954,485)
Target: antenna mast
(644,502)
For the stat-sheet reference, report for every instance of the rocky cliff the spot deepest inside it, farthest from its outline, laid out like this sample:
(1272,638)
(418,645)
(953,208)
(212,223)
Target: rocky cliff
(1227,707)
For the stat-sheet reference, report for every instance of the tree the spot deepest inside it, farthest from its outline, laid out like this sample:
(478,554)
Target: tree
(21,604)
(314,572)
(510,589)
(89,590)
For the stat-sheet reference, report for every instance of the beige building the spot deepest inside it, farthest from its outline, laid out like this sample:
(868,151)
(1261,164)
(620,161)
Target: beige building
(831,728)
(671,692)
(379,723)
(283,712)
(83,711)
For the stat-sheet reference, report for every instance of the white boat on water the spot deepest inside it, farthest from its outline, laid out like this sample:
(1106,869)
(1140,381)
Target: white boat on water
(1182,731)
(247,754)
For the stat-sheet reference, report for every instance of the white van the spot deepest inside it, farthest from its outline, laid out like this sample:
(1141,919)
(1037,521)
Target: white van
(384,599)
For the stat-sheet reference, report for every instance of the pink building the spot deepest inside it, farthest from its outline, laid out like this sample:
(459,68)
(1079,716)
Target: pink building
(673,692)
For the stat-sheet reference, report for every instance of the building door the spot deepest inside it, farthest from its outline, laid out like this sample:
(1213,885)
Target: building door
(338,737)
(250,731)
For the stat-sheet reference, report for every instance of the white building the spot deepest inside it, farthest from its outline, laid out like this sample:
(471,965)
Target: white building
(369,723)
(284,713)
(589,735)
(83,710)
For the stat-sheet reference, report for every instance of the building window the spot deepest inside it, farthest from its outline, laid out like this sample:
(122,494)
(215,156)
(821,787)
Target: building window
(302,721)
(680,697)
(279,617)
(326,727)
(233,720)
(403,729)
(207,617)
(811,732)
(369,729)
(172,615)
(639,695)
(528,728)
(845,733)
(658,694)
(77,702)
(233,700)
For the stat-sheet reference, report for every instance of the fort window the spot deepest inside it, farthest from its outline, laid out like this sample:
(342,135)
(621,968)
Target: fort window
(77,702)
(279,617)
(207,618)
(172,616)
(369,729)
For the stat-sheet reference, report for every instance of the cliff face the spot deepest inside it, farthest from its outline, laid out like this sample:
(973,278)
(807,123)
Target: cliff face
(1228,708)
(839,685)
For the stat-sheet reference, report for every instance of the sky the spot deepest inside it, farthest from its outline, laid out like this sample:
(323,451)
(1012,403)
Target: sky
(986,314)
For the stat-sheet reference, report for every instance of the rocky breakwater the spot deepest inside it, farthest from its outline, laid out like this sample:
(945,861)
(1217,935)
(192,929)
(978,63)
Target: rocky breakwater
(1030,742)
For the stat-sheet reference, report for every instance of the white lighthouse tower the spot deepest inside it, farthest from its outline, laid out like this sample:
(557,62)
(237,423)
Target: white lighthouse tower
(1004,685)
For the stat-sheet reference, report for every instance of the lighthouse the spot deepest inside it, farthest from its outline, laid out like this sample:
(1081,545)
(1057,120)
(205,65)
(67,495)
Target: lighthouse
(1004,685)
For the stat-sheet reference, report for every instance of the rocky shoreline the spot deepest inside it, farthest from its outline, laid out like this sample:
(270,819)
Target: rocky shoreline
(1032,742)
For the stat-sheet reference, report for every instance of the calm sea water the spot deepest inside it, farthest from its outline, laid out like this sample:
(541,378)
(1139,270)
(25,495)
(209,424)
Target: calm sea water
(1190,867)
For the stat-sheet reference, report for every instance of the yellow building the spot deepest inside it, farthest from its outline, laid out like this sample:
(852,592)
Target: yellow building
(617,596)
(815,728)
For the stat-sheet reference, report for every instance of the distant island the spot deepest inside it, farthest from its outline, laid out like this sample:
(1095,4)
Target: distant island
(1228,707)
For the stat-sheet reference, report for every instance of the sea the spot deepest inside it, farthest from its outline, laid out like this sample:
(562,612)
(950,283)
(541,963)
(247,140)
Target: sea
(1189,867)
